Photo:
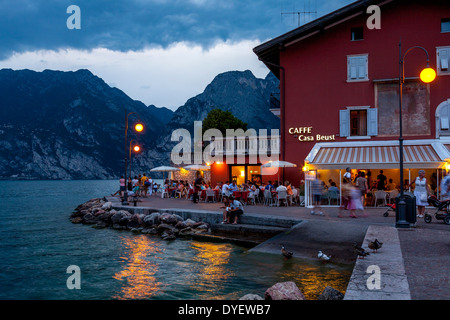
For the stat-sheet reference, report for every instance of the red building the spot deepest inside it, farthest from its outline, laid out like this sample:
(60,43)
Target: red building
(339,90)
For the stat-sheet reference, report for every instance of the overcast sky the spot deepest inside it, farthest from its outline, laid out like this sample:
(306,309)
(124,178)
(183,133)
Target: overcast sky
(160,52)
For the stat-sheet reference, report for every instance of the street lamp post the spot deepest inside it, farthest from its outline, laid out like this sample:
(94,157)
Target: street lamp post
(136,148)
(427,75)
(138,127)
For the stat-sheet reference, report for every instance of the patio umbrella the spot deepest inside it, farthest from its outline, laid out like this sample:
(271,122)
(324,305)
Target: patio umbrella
(279,164)
(164,169)
(197,167)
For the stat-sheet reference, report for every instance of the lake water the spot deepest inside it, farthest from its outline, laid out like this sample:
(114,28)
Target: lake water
(38,244)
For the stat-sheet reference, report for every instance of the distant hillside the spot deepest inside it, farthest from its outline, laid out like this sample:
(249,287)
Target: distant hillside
(70,125)
(65,125)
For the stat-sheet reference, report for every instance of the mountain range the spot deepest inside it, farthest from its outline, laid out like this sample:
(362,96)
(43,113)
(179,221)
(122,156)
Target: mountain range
(70,125)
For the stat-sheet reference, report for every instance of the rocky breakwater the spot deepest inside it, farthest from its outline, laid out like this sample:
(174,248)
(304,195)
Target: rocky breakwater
(100,214)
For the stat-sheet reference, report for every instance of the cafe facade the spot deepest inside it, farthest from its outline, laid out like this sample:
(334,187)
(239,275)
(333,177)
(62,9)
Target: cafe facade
(339,91)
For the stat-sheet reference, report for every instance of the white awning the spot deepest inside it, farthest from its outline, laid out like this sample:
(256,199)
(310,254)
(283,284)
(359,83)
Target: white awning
(419,154)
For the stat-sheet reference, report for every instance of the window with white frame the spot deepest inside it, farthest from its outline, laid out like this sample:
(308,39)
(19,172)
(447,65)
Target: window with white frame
(357,67)
(443,59)
(358,122)
(442,119)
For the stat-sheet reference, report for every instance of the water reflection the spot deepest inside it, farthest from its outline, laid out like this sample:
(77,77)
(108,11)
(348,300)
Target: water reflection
(212,268)
(312,279)
(138,274)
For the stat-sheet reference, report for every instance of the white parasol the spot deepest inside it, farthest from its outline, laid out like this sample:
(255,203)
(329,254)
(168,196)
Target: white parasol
(197,167)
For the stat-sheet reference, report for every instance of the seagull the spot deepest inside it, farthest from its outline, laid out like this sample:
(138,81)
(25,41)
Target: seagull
(360,251)
(375,245)
(285,253)
(322,256)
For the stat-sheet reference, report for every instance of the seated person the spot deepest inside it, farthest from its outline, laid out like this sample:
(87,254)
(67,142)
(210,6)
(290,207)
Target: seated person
(269,186)
(333,187)
(281,188)
(233,211)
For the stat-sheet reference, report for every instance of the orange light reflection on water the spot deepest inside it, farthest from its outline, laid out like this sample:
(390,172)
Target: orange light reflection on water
(138,274)
(213,259)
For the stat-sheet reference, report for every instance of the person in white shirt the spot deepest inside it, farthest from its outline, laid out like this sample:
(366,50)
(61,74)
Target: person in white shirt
(234,210)
(225,190)
(281,188)
(348,174)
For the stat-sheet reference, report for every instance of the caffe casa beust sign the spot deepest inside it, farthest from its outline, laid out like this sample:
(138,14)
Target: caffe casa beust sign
(306,134)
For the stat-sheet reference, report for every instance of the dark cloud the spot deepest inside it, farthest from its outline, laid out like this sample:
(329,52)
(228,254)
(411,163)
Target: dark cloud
(134,24)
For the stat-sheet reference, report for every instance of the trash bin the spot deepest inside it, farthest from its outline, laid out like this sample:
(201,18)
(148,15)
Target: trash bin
(411,208)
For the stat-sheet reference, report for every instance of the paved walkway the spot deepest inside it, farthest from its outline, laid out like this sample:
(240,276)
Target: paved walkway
(424,250)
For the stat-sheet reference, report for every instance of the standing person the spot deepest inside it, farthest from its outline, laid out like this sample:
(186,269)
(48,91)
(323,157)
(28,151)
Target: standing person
(346,196)
(445,186)
(361,184)
(348,174)
(381,181)
(130,184)
(355,201)
(144,185)
(316,190)
(197,188)
(122,185)
(421,192)
(150,187)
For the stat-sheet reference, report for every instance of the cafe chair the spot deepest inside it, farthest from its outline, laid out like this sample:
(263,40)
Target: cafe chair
(392,195)
(251,198)
(268,198)
(379,195)
(333,196)
(282,195)
(210,194)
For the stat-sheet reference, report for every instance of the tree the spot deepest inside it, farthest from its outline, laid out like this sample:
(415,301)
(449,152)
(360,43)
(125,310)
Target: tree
(222,120)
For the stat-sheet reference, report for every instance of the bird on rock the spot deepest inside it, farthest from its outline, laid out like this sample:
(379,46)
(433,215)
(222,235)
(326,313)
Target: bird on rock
(285,253)
(375,245)
(360,251)
(322,256)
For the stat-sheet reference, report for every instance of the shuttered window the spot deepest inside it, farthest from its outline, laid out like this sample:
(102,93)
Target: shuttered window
(355,122)
(443,57)
(357,68)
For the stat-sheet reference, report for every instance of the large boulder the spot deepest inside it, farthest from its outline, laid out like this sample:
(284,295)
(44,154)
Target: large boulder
(284,291)
(152,219)
(330,294)
(251,296)
(169,218)
(121,217)
(135,221)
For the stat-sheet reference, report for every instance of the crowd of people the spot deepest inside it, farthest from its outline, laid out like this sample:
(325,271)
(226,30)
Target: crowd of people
(140,185)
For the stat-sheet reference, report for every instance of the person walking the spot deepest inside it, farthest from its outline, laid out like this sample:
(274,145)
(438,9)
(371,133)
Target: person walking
(316,191)
(361,184)
(445,186)
(197,188)
(421,192)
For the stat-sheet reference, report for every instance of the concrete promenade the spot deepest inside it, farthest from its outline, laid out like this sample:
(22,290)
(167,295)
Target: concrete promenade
(413,263)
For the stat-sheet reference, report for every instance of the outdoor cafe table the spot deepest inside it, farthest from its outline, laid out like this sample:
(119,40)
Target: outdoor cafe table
(203,194)
(241,194)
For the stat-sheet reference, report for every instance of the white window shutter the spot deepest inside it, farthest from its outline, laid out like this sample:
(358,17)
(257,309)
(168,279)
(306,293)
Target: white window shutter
(357,67)
(344,123)
(444,115)
(372,122)
(443,59)
(444,123)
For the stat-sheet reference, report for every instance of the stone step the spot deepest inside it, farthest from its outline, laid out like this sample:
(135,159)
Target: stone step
(247,228)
